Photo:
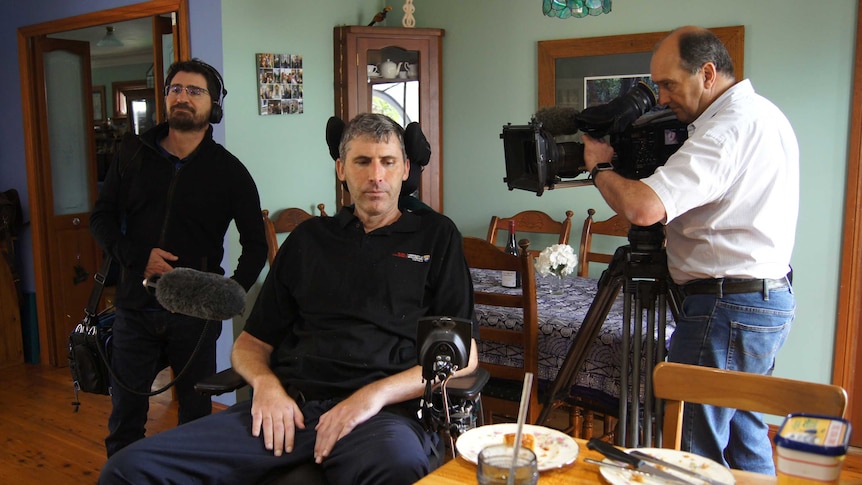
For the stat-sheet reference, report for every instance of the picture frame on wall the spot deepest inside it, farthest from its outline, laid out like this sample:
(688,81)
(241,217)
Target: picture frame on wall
(599,90)
(563,63)
(279,84)
(99,109)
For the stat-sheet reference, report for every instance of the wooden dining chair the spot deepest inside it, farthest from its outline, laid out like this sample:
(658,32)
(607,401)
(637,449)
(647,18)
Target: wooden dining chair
(615,226)
(285,221)
(530,221)
(677,384)
(502,394)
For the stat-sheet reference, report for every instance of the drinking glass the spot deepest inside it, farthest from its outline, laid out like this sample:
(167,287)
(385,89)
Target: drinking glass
(495,463)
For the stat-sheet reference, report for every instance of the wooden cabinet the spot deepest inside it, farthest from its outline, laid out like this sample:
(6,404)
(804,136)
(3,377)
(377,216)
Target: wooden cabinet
(413,94)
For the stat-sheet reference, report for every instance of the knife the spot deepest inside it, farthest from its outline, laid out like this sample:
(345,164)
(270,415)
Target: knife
(614,453)
(674,466)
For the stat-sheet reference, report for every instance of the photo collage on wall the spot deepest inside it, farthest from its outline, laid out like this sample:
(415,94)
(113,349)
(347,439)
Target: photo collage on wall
(279,82)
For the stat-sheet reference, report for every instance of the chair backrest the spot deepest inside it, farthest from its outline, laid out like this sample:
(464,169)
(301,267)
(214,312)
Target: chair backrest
(285,220)
(615,226)
(530,221)
(481,254)
(681,383)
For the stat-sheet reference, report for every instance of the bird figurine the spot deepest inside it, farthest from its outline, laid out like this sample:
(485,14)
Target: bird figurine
(380,16)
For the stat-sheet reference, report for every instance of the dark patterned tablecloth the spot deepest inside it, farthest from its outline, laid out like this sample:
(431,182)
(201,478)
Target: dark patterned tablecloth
(560,318)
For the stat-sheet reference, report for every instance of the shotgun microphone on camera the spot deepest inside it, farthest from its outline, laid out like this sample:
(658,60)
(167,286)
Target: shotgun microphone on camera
(558,121)
(198,294)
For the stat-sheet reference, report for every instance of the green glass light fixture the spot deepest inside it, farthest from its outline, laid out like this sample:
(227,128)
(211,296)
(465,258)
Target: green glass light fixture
(564,9)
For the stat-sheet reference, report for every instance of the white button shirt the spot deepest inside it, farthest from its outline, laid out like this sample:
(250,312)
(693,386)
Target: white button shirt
(731,192)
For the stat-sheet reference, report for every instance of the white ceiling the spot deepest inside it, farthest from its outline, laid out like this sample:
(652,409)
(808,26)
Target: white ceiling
(136,36)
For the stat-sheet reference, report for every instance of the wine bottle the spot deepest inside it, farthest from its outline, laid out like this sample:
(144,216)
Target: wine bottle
(511,279)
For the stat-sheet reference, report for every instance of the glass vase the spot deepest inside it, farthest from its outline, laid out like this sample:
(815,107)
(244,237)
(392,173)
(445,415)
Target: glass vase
(556,284)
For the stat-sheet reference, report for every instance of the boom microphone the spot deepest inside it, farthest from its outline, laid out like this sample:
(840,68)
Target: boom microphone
(558,121)
(198,294)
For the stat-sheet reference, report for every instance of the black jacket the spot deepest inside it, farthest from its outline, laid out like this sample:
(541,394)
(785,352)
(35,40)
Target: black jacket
(184,207)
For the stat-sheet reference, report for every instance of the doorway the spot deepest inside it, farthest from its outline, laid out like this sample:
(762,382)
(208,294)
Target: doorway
(59,299)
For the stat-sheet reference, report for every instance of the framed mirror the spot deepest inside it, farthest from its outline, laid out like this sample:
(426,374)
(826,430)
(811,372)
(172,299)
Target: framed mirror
(121,90)
(566,64)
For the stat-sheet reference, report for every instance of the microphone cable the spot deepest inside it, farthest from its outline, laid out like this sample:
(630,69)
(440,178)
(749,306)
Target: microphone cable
(115,379)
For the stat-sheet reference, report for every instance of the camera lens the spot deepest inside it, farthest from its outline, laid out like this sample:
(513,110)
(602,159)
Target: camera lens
(618,114)
(641,99)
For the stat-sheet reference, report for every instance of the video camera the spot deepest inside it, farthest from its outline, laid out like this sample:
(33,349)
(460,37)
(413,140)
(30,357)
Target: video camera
(549,150)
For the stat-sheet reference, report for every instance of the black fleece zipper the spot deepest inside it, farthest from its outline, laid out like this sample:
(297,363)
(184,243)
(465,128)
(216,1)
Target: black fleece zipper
(178,165)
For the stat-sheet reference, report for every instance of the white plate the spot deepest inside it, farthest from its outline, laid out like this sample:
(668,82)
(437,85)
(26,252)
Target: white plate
(553,448)
(695,463)
(374,75)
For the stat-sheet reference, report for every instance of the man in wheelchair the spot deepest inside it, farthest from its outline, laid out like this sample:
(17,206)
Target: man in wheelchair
(330,347)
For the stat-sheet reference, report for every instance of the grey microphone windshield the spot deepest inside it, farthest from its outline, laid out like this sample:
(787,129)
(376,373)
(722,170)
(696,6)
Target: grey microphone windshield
(558,121)
(198,294)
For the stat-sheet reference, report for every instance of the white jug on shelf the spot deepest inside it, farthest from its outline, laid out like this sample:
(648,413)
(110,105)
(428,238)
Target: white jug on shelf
(389,69)
(412,70)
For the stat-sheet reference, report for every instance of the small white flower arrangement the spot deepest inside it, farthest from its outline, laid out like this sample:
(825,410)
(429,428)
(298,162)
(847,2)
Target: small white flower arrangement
(557,259)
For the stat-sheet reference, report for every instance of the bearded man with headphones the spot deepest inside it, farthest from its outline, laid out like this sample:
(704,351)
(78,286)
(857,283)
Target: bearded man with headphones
(167,202)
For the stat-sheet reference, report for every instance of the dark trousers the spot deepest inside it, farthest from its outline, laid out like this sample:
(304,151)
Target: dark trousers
(390,448)
(143,343)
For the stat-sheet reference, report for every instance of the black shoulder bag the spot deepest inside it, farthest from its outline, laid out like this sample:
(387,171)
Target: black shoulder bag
(90,348)
(90,343)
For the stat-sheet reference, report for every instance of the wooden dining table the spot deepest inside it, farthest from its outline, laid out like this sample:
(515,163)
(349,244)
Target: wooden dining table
(459,471)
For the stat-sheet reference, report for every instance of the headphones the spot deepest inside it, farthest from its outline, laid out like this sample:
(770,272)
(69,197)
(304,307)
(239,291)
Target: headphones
(217,112)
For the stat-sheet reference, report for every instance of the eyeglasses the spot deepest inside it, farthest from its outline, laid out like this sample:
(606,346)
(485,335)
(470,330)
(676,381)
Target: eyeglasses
(192,91)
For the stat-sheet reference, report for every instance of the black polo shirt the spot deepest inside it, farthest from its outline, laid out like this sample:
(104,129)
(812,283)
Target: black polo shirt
(341,306)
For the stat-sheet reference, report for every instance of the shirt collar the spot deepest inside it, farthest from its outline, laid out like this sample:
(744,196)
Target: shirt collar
(739,90)
(408,222)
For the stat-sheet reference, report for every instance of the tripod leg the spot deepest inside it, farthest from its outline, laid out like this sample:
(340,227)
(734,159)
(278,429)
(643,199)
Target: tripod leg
(626,339)
(609,288)
(635,356)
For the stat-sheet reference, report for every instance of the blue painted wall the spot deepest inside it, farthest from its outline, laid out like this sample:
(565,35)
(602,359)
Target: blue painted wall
(206,43)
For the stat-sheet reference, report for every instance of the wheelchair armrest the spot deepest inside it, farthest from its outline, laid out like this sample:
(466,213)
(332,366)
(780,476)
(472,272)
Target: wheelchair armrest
(468,387)
(225,381)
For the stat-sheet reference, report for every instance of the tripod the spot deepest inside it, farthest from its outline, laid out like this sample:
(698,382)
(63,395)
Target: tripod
(640,269)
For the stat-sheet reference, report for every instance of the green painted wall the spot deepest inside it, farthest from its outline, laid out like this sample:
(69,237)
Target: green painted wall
(799,56)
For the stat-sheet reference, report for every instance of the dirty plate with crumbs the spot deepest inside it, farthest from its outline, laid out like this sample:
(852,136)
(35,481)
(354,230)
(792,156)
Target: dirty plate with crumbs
(690,461)
(553,448)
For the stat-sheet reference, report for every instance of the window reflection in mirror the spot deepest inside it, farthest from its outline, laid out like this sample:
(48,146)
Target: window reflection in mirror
(397,100)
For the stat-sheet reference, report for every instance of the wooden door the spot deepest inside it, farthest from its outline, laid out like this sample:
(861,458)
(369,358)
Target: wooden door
(39,183)
(66,162)
(164,38)
(848,355)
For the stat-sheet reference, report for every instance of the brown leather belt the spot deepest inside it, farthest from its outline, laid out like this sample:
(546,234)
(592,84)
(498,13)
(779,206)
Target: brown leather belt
(721,286)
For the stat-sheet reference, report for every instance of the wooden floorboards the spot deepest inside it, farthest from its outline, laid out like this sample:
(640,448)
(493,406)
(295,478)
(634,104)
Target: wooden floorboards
(45,442)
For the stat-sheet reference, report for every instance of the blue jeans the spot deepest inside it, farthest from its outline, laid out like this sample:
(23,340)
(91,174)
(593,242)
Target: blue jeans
(143,343)
(741,332)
